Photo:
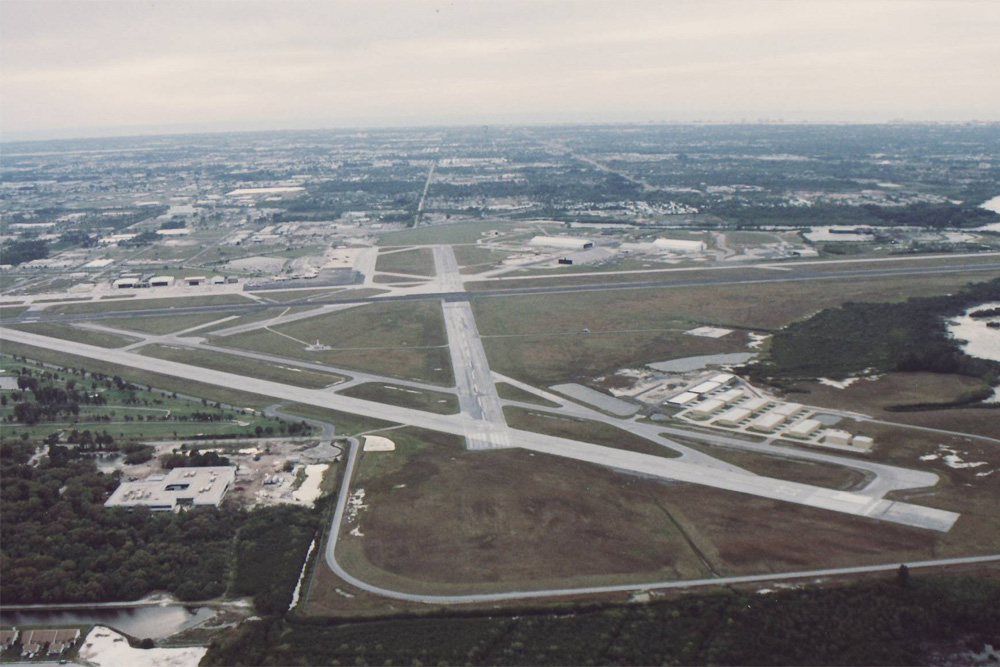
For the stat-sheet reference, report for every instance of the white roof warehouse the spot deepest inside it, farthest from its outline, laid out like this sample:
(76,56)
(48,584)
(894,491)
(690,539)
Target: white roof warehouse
(181,487)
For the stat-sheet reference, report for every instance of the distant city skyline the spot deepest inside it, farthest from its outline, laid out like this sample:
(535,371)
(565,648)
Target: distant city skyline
(85,68)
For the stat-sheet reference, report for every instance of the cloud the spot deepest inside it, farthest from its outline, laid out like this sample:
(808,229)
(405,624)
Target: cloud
(88,64)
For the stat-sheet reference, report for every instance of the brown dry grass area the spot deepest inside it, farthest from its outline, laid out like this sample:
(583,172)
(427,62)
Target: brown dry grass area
(744,534)
(873,396)
(443,520)
(460,519)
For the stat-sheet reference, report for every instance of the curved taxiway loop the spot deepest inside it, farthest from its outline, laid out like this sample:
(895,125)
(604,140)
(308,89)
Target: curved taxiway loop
(472,598)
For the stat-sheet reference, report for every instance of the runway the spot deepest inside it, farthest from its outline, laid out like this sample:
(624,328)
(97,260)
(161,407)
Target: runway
(463,424)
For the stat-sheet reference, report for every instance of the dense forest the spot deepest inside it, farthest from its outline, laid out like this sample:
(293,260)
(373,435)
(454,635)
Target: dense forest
(270,551)
(907,336)
(19,252)
(58,543)
(902,621)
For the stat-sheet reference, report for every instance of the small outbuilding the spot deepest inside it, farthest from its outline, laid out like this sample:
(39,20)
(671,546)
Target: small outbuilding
(835,437)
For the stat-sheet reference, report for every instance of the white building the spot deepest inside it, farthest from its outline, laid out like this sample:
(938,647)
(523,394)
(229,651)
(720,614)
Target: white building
(705,408)
(755,404)
(732,417)
(181,487)
(804,428)
(862,442)
(679,245)
(561,242)
(834,437)
(683,398)
(161,281)
(787,409)
(730,396)
(767,422)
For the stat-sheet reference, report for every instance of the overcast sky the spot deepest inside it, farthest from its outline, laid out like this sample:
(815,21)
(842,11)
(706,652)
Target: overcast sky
(84,68)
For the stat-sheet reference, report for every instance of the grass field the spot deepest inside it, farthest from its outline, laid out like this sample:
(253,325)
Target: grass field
(419,261)
(398,339)
(831,270)
(596,433)
(69,332)
(345,423)
(439,519)
(462,232)
(512,393)
(404,397)
(545,360)
(124,409)
(478,256)
(298,377)
(10,312)
(163,324)
(225,395)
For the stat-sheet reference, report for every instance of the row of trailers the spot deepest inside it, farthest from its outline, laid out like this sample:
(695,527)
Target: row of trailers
(136,281)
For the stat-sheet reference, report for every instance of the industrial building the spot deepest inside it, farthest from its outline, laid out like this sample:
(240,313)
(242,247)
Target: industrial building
(767,422)
(161,281)
(195,280)
(732,417)
(181,487)
(755,404)
(705,387)
(787,409)
(834,437)
(706,408)
(679,245)
(730,396)
(562,242)
(682,398)
(862,442)
(804,428)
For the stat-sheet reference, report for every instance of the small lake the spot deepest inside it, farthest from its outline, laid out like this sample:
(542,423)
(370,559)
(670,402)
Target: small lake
(140,622)
(991,205)
(978,340)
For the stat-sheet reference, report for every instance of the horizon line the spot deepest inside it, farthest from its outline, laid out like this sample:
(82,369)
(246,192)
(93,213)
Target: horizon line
(125,133)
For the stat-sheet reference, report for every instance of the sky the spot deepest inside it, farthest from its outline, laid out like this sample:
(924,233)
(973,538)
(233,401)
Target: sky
(93,68)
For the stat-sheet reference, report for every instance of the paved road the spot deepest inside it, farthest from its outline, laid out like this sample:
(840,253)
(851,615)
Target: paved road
(335,566)
(462,424)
